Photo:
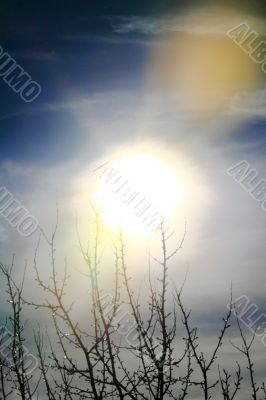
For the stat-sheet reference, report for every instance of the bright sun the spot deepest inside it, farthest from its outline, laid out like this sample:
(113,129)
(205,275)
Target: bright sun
(136,192)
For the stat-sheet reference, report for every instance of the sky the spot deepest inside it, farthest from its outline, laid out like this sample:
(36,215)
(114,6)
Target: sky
(121,78)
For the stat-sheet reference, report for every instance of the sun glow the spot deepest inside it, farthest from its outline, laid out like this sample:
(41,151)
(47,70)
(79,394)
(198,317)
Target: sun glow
(136,192)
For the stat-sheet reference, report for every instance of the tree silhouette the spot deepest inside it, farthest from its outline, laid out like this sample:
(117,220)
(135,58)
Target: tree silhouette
(127,350)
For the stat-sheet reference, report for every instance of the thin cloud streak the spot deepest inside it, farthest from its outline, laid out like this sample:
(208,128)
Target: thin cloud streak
(202,24)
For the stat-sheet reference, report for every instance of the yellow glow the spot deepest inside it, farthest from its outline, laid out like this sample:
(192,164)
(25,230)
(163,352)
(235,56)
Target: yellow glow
(202,69)
(156,184)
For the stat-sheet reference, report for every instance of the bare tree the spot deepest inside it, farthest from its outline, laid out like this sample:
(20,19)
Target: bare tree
(126,347)
(205,365)
(101,370)
(16,363)
(225,381)
(245,349)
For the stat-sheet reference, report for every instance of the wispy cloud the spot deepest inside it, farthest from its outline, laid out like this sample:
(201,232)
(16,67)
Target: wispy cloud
(201,23)
(113,39)
(249,104)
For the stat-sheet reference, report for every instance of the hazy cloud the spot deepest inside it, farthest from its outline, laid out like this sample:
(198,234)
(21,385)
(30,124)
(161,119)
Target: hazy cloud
(205,22)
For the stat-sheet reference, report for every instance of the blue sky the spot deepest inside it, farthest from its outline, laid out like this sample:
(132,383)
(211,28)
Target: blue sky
(78,50)
(99,65)
(94,65)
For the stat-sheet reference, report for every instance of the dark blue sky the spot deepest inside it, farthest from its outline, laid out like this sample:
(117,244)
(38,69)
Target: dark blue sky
(72,47)
(64,48)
